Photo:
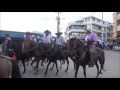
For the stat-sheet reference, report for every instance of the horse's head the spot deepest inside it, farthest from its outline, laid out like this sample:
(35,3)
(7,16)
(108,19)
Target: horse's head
(27,45)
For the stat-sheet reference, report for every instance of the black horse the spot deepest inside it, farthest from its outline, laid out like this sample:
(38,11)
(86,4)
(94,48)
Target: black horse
(82,56)
(53,56)
(17,50)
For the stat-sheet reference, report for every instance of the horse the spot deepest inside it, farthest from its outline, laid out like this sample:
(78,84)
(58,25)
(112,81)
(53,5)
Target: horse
(65,50)
(54,57)
(82,56)
(8,67)
(32,48)
(16,48)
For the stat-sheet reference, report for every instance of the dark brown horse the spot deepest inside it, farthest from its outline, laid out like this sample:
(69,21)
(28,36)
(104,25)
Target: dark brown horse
(82,56)
(31,47)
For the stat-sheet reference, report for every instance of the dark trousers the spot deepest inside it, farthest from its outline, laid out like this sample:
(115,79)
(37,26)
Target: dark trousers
(60,52)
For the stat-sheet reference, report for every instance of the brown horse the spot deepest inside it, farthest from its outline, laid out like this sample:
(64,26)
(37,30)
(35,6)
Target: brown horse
(5,68)
(82,56)
(31,47)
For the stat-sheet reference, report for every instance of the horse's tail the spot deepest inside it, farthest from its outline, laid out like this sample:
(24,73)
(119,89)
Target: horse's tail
(15,70)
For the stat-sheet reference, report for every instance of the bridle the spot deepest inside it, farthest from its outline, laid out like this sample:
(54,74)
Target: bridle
(27,45)
(75,49)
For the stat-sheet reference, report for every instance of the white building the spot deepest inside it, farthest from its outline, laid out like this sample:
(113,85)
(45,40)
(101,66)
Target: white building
(77,28)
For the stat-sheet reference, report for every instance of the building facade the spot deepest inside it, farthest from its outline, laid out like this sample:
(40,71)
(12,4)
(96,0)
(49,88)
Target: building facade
(118,24)
(77,28)
(115,25)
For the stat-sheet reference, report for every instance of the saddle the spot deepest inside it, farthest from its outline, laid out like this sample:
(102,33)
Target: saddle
(5,57)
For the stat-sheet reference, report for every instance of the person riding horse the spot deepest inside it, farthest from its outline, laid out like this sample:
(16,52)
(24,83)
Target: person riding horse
(47,40)
(29,37)
(6,43)
(60,42)
(91,39)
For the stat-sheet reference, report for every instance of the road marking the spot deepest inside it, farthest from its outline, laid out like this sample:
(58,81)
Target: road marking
(113,73)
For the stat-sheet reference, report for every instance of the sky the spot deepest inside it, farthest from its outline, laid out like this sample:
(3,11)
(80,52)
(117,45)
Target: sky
(41,21)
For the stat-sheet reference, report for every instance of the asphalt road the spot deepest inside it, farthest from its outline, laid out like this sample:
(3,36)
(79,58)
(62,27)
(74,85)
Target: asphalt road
(112,67)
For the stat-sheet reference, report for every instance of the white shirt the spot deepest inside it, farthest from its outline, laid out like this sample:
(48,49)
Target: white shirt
(47,39)
(100,41)
(60,40)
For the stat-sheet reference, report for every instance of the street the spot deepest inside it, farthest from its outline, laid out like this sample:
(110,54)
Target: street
(112,67)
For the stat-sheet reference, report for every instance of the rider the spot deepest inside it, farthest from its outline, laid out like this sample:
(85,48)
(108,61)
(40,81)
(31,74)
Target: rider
(91,38)
(6,43)
(28,36)
(60,42)
(47,40)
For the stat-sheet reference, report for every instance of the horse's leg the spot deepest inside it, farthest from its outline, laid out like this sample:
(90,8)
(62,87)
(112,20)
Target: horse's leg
(76,70)
(27,62)
(102,61)
(37,65)
(52,66)
(47,68)
(33,62)
(20,63)
(56,67)
(67,64)
(42,63)
(84,70)
(23,61)
(97,69)
(60,64)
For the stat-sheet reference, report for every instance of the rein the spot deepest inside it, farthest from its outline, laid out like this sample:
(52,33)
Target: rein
(74,50)
(31,49)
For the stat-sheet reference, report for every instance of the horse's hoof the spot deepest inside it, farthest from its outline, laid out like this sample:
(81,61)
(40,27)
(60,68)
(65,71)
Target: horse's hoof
(23,72)
(42,65)
(34,68)
(45,75)
(100,73)
(36,73)
(66,71)
(56,74)
(96,77)
(103,69)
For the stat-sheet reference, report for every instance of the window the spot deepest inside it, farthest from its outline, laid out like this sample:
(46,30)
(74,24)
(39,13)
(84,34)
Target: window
(75,34)
(87,19)
(93,19)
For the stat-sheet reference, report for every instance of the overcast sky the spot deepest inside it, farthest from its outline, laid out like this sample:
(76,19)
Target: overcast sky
(40,21)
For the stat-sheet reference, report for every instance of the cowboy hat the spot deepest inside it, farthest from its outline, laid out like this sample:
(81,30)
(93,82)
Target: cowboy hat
(88,30)
(47,31)
(27,32)
(59,33)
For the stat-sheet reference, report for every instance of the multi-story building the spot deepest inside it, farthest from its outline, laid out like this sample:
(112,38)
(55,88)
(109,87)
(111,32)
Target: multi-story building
(118,24)
(115,25)
(77,28)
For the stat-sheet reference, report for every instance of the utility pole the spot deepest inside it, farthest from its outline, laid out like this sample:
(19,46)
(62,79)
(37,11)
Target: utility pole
(102,27)
(58,22)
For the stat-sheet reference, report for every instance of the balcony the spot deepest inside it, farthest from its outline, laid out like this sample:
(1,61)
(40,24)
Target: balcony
(75,30)
(78,37)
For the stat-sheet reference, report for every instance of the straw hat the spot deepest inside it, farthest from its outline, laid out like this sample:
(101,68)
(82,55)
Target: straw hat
(88,30)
